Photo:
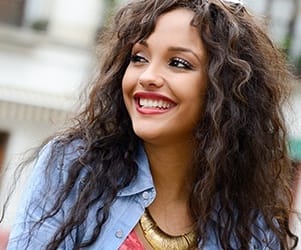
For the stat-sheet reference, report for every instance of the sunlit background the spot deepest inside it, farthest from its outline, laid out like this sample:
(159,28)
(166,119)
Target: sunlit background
(47,57)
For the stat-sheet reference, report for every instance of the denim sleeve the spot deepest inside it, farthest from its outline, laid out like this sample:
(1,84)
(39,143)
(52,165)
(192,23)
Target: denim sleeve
(38,198)
(265,237)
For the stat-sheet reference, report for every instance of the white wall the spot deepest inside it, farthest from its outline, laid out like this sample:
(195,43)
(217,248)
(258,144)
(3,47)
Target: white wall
(75,22)
(37,10)
(294,113)
(23,136)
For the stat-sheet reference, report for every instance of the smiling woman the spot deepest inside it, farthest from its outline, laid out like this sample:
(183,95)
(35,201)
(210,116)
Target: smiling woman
(182,144)
(171,72)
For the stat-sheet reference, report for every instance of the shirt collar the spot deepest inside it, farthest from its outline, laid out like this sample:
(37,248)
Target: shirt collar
(144,179)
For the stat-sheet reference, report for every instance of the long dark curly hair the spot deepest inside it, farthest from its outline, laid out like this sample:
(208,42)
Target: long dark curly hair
(241,157)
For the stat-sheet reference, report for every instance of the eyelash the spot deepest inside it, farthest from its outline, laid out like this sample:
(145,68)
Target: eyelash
(173,62)
(137,59)
(185,64)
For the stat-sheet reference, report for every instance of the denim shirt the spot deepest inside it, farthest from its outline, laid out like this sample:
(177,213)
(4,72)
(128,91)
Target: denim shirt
(125,212)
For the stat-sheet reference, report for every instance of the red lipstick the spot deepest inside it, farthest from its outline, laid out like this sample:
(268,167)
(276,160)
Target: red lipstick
(152,103)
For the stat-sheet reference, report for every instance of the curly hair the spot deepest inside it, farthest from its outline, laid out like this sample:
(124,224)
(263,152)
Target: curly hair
(241,157)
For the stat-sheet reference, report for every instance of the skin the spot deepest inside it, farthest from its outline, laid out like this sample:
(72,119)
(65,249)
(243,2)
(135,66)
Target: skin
(169,66)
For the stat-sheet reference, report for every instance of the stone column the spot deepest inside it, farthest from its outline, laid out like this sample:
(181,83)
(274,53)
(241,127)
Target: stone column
(75,21)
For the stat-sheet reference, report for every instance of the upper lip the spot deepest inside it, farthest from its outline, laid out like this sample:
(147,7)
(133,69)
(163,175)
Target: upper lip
(153,96)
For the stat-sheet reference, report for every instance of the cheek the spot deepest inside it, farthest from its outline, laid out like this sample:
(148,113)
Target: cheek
(197,94)
(195,89)
(202,88)
(127,89)
(125,85)
(128,82)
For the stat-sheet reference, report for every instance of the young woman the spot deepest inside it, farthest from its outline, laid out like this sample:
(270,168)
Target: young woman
(181,146)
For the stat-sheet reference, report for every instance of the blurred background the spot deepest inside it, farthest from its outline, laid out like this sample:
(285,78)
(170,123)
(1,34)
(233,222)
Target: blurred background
(47,56)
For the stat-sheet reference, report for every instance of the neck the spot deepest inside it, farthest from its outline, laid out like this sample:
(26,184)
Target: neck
(171,169)
(172,174)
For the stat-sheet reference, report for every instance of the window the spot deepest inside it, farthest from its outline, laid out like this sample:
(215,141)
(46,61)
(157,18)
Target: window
(3,142)
(12,11)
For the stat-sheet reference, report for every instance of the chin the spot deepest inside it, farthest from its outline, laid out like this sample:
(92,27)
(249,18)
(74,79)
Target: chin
(146,134)
(146,137)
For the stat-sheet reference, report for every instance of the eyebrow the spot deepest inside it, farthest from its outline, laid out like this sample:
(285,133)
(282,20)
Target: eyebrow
(186,50)
(176,49)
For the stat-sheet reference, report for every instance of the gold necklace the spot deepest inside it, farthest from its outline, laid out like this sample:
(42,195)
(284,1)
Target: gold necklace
(160,240)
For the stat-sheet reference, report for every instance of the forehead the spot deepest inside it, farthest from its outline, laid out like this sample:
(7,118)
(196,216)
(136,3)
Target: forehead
(174,28)
(176,19)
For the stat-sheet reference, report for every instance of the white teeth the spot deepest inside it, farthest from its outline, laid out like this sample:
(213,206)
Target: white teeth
(149,103)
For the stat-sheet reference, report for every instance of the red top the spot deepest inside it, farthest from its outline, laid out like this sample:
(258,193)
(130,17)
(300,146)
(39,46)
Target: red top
(132,242)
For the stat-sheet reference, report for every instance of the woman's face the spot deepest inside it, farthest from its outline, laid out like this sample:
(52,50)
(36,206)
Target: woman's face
(165,83)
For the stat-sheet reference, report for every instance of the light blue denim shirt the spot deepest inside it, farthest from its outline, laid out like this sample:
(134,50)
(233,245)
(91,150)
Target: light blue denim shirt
(124,215)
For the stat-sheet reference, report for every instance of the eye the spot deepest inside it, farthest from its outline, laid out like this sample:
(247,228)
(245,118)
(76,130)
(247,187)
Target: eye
(180,63)
(136,58)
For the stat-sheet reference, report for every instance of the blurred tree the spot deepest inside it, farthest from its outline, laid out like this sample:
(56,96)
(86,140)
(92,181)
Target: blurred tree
(109,9)
(291,27)
(268,9)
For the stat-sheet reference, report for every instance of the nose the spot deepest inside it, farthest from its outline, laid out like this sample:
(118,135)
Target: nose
(151,77)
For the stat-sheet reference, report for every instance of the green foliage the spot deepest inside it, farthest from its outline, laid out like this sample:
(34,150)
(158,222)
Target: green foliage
(295,149)
(297,63)
(40,25)
(286,44)
(110,7)
(295,60)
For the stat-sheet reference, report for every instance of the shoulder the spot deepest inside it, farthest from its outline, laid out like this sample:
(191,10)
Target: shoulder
(34,222)
(262,236)
(57,156)
(61,151)
(53,164)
